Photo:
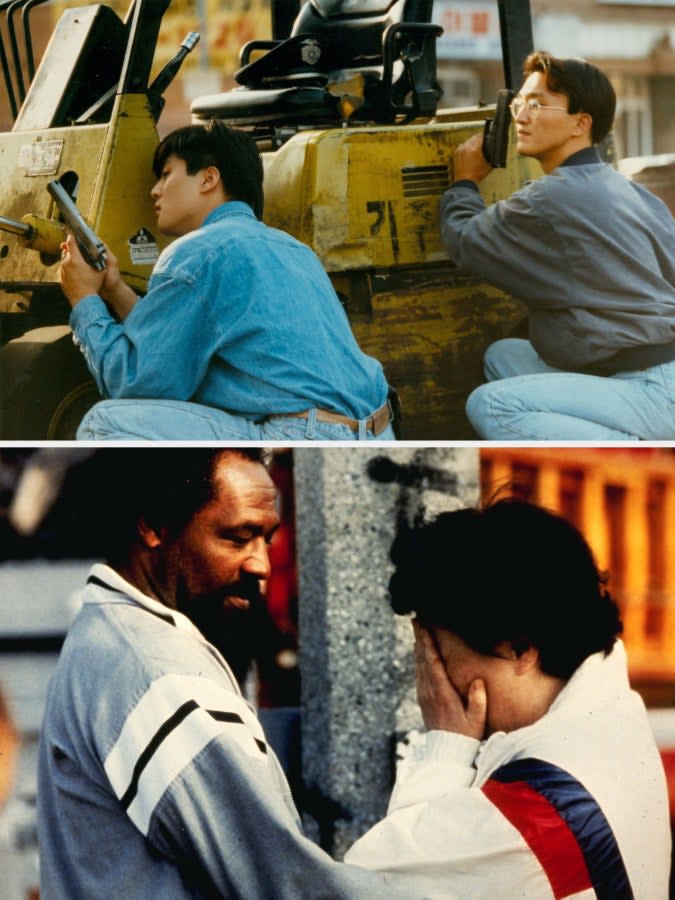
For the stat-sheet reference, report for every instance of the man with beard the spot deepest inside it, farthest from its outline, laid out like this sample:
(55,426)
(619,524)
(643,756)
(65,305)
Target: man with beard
(155,777)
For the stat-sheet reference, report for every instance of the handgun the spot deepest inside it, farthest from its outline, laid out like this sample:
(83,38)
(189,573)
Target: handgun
(496,131)
(90,244)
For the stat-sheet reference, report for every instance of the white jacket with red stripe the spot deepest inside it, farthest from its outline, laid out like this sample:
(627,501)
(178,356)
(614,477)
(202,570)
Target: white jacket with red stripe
(574,805)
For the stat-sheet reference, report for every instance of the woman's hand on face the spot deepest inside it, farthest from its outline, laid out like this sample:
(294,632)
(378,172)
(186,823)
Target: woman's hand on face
(443,707)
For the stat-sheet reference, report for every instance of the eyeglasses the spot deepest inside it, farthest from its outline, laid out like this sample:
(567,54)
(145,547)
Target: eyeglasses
(533,107)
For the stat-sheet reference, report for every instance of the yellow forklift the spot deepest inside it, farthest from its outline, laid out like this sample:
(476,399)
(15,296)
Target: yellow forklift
(345,105)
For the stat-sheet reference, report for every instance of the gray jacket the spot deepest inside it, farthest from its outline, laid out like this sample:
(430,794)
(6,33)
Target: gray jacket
(590,253)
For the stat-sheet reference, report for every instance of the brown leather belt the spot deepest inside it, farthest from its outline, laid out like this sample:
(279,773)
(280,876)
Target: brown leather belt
(375,423)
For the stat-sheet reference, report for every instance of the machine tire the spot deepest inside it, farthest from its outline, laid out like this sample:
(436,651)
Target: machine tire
(45,386)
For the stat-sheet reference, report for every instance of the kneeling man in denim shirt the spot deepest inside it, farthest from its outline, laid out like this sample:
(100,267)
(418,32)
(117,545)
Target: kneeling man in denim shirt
(240,336)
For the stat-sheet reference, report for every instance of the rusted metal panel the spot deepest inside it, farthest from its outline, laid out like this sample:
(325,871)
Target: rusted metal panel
(113,195)
(430,337)
(367,201)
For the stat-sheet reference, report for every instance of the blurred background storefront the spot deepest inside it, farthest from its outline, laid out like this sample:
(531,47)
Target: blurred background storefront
(624,502)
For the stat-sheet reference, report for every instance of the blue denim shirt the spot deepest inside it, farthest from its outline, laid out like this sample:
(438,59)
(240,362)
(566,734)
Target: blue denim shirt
(238,316)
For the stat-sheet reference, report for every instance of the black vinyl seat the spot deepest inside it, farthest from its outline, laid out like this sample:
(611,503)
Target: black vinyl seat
(292,106)
(362,60)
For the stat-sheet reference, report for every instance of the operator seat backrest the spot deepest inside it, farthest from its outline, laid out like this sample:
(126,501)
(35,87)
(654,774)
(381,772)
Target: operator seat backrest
(347,34)
(360,23)
(386,45)
(327,36)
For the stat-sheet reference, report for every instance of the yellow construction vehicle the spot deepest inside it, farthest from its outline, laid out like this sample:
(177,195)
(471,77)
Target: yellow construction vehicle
(344,103)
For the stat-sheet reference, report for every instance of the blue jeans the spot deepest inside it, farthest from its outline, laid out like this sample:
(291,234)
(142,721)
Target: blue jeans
(525,399)
(177,420)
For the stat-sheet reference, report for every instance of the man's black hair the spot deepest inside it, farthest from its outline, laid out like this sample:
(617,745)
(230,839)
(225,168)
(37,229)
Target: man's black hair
(587,88)
(164,486)
(511,571)
(234,153)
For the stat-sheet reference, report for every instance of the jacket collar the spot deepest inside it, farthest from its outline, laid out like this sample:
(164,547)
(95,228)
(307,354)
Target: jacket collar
(118,590)
(584,157)
(228,210)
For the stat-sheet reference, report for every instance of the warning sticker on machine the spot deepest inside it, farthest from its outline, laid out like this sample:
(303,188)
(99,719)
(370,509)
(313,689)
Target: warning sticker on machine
(40,157)
(143,248)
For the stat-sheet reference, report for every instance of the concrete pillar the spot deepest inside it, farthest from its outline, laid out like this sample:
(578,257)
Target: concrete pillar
(355,655)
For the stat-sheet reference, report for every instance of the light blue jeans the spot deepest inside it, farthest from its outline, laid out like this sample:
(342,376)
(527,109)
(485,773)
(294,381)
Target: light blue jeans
(525,399)
(177,420)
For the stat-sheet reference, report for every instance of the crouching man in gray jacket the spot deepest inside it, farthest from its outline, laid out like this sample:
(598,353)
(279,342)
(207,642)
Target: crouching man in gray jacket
(593,257)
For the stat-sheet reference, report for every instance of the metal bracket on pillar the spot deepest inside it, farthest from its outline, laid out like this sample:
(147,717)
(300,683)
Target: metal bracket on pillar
(515,24)
(415,474)
(415,480)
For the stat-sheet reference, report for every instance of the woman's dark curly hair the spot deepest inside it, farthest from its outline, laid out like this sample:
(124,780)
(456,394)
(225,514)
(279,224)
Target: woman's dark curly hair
(511,571)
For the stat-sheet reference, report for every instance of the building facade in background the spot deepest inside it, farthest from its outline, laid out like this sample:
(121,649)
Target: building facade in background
(632,42)
(623,500)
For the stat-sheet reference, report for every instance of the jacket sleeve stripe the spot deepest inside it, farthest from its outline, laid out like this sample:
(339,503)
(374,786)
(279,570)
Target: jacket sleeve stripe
(233,717)
(177,751)
(165,731)
(570,813)
(168,726)
(546,834)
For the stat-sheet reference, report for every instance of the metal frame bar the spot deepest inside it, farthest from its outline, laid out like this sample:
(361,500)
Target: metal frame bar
(28,38)
(20,84)
(515,25)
